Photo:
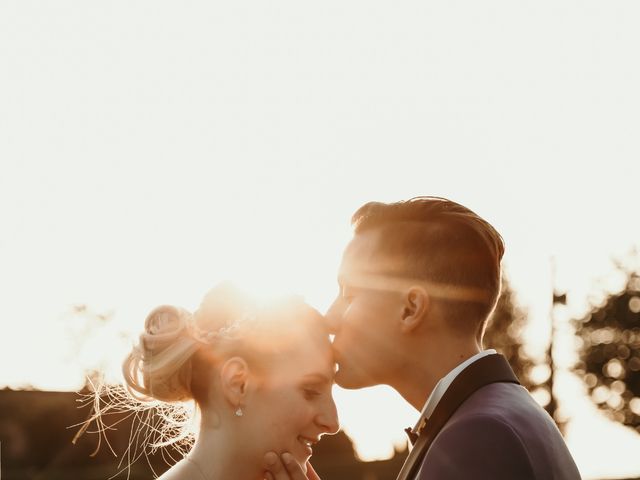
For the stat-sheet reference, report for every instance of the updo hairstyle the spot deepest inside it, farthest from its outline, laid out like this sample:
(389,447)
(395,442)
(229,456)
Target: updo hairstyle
(177,353)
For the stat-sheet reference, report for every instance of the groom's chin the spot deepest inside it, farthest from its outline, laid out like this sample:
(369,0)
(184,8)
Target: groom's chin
(348,380)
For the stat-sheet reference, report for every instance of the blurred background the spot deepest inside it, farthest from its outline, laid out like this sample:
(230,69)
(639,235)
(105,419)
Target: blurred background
(149,150)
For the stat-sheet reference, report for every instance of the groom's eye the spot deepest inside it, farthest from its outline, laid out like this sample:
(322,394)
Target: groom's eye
(347,293)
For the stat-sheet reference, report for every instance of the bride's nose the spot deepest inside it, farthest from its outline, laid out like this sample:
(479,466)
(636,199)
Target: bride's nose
(327,418)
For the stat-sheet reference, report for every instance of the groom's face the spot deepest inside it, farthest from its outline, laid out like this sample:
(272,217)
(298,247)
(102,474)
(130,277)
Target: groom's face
(363,317)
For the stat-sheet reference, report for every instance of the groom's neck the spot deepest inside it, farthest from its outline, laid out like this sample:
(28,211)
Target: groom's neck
(428,365)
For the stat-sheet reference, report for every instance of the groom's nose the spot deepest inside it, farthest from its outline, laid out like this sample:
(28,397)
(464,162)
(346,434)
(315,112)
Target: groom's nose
(334,316)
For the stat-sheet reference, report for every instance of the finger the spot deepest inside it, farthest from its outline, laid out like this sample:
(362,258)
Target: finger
(293,467)
(268,476)
(274,467)
(311,473)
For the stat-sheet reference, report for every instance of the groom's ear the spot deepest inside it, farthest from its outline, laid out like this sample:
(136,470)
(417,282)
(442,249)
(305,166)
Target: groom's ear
(234,377)
(416,307)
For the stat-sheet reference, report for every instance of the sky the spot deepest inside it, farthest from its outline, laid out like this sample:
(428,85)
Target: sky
(151,149)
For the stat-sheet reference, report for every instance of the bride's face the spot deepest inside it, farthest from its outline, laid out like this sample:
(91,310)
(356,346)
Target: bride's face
(293,405)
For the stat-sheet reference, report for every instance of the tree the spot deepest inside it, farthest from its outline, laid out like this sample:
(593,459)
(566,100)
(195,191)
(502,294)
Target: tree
(609,349)
(504,333)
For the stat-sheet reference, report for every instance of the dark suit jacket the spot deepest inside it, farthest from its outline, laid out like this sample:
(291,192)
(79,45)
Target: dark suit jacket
(498,432)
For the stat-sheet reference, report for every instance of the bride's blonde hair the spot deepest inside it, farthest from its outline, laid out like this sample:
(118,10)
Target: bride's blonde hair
(161,366)
(174,361)
(178,350)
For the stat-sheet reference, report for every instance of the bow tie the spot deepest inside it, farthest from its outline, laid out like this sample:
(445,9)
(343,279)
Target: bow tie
(413,437)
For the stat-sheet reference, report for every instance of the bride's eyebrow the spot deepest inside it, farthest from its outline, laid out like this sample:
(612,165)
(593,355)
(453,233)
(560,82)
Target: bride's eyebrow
(318,378)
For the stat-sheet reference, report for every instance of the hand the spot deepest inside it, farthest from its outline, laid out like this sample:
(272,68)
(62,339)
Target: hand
(285,467)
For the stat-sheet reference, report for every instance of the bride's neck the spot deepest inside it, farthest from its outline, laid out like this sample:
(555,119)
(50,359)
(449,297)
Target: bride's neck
(219,454)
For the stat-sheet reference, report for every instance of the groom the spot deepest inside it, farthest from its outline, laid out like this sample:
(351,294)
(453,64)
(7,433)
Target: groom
(417,283)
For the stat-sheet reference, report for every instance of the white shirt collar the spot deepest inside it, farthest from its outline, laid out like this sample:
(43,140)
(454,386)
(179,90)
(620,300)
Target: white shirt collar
(444,383)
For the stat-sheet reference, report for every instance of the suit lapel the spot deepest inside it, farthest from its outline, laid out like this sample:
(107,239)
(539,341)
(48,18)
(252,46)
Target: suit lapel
(486,370)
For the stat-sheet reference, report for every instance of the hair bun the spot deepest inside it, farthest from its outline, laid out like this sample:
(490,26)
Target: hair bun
(167,320)
(160,367)
(160,319)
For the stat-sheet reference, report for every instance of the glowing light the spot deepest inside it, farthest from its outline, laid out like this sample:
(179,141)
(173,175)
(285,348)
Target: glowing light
(590,380)
(618,387)
(634,364)
(634,304)
(602,335)
(540,373)
(542,396)
(615,401)
(614,368)
(600,394)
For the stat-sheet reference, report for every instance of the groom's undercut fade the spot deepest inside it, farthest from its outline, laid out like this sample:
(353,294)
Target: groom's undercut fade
(445,244)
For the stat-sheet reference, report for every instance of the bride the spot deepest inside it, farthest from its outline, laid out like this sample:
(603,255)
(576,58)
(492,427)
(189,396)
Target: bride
(260,377)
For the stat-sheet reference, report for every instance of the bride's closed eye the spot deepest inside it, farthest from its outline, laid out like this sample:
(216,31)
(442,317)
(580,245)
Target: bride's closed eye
(316,384)
(311,393)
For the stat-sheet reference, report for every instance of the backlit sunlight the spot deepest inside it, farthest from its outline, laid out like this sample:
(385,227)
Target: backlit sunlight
(149,151)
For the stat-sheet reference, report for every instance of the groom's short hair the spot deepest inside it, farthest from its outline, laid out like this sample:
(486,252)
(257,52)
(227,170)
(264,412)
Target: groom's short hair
(445,244)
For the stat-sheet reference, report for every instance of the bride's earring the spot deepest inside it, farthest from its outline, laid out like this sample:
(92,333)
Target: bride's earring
(239,412)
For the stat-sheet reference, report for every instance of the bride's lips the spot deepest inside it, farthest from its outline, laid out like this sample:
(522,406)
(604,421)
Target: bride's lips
(337,359)
(307,443)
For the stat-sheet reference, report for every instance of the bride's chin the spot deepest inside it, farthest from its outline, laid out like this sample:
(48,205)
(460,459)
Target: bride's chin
(302,460)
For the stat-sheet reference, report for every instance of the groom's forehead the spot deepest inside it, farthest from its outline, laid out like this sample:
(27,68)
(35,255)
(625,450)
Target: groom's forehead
(362,247)
(363,254)
(366,266)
